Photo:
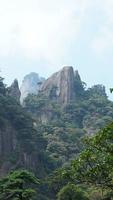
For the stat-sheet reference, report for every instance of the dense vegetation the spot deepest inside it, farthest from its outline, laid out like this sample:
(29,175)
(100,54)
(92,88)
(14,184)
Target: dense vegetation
(21,145)
(63,126)
(91,172)
(17,185)
(59,143)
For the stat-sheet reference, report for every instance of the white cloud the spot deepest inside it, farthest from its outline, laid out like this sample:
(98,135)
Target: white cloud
(103,41)
(104,36)
(108,8)
(39,28)
(46,28)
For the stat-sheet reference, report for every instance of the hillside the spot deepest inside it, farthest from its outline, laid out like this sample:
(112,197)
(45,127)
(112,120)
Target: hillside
(21,146)
(64,111)
(46,131)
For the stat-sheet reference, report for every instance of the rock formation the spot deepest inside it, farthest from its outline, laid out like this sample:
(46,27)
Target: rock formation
(61,85)
(31,85)
(14,90)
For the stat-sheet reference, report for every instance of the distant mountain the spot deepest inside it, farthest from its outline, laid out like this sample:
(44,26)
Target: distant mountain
(30,85)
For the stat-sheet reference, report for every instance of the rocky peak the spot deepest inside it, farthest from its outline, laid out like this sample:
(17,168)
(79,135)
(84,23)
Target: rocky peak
(77,76)
(60,86)
(30,85)
(14,90)
(67,68)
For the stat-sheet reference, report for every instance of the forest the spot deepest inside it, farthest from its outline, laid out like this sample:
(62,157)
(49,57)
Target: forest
(54,151)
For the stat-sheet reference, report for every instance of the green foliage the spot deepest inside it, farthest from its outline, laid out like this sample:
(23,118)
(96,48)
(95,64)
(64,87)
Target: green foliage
(97,90)
(26,145)
(17,185)
(35,103)
(111,90)
(57,180)
(93,167)
(50,134)
(72,192)
(64,126)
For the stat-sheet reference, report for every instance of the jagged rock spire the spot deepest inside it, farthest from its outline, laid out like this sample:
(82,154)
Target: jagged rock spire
(14,90)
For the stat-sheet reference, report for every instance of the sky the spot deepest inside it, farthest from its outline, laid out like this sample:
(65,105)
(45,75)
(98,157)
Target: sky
(44,35)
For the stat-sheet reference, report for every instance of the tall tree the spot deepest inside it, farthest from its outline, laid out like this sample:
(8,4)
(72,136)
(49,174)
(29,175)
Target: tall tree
(17,185)
(71,192)
(94,166)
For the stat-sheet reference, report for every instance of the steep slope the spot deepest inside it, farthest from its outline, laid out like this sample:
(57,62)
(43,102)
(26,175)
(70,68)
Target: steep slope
(30,85)
(46,133)
(20,143)
(64,117)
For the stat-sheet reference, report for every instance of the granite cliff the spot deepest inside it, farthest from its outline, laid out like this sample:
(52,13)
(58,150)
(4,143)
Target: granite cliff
(61,86)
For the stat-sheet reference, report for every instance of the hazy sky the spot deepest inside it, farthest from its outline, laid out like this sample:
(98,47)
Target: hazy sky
(45,35)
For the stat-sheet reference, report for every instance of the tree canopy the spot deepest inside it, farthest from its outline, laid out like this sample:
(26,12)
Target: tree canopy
(18,185)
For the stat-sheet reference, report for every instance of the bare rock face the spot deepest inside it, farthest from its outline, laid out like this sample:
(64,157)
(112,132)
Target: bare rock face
(8,144)
(30,85)
(14,90)
(60,86)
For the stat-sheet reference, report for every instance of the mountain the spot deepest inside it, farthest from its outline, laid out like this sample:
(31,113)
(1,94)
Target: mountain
(45,132)
(55,115)
(64,111)
(62,86)
(30,85)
